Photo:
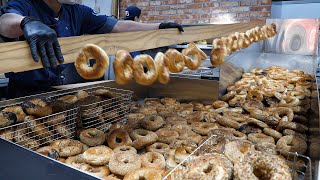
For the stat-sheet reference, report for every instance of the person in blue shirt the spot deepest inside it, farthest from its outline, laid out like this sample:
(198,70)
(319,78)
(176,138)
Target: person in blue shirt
(40,22)
(133,14)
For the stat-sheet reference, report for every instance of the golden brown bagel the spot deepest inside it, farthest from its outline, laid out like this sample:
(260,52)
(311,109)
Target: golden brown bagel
(122,67)
(98,69)
(176,60)
(194,61)
(162,63)
(140,76)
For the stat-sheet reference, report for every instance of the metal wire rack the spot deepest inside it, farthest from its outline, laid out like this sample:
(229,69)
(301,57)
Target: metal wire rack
(34,133)
(101,114)
(299,165)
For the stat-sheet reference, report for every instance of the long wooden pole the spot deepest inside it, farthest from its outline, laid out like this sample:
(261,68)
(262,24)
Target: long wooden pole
(16,56)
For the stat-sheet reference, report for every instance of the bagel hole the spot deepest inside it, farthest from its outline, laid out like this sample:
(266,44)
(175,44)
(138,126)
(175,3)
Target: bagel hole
(142,178)
(91,62)
(145,69)
(259,173)
(118,140)
(158,147)
(125,149)
(143,133)
(126,161)
(152,118)
(208,169)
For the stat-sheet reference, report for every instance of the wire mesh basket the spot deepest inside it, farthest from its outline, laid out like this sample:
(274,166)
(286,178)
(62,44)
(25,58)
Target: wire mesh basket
(300,165)
(33,133)
(103,113)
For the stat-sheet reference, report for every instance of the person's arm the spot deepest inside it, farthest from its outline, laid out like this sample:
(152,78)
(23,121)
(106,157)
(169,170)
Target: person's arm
(127,26)
(10,25)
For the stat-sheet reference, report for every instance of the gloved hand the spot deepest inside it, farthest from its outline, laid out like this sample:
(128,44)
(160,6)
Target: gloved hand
(167,25)
(42,39)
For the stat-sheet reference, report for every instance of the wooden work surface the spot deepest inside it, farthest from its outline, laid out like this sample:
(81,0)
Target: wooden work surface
(16,56)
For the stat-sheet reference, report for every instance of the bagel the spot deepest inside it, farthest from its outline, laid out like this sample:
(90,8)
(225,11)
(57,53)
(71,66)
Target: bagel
(92,137)
(142,138)
(266,147)
(219,104)
(37,107)
(292,132)
(176,60)
(259,137)
(122,67)
(67,147)
(166,135)
(118,137)
(76,162)
(99,172)
(18,111)
(291,125)
(292,143)
(153,160)
(55,119)
(152,123)
(82,94)
(158,147)
(192,58)
(125,149)
(182,153)
(283,113)
(97,156)
(144,173)
(123,163)
(7,119)
(7,134)
(141,77)
(259,165)
(219,52)
(203,128)
(49,152)
(258,123)
(271,132)
(210,166)
(162,64)
(98,69)
(235,150)
(63,130)
(40,130)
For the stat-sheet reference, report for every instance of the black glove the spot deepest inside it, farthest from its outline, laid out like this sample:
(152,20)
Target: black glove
(167,25)
(42,39)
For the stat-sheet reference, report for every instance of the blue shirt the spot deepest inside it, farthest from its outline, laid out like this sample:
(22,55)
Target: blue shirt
(74,20)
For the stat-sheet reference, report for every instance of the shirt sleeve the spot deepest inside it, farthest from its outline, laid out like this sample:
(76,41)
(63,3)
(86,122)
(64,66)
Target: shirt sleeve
(21,7)
(92,23)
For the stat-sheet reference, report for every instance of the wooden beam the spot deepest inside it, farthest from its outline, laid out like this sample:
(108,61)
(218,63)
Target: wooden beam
(16,56)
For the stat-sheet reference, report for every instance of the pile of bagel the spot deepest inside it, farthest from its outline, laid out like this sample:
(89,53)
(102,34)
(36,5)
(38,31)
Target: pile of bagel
(39,121)
(263,111)
(223,47)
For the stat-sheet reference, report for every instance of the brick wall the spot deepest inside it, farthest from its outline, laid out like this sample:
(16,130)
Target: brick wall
(199,11)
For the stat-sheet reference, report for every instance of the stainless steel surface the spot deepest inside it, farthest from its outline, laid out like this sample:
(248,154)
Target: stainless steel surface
(295,36)
(184,166)
(21,163)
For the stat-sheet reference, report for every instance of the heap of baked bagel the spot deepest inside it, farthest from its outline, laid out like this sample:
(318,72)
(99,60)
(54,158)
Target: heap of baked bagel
(158,69)
(263,111)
